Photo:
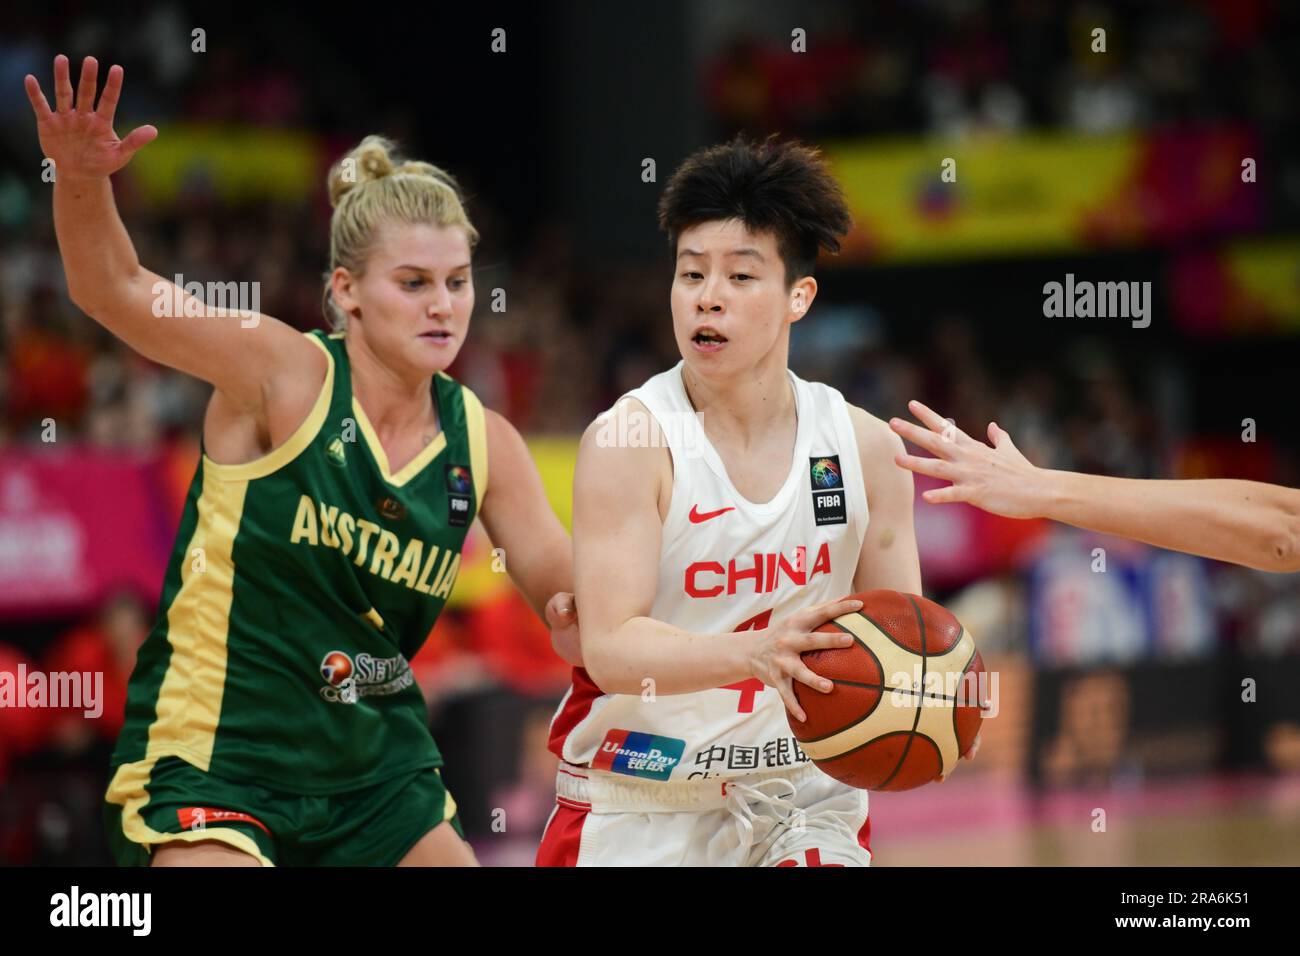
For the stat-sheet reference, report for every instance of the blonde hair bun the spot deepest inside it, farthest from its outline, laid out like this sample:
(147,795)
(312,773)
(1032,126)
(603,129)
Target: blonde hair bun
(372,185)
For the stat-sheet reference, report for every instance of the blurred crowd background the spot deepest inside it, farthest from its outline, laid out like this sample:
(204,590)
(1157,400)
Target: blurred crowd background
(1169,158)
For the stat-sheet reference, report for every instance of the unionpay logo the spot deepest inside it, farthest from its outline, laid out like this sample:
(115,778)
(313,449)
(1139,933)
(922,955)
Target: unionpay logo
(638,754)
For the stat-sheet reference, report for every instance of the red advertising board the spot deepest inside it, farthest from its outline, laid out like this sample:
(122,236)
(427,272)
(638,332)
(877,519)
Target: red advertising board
(75,524)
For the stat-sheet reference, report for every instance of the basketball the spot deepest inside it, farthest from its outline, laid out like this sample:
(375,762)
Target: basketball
(906,703)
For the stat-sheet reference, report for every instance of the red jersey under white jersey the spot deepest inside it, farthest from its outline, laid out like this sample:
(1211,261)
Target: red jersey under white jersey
(727,564)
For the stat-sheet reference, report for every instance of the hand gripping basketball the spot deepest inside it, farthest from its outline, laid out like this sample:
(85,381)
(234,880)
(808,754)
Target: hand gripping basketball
(776,654)
(908,695)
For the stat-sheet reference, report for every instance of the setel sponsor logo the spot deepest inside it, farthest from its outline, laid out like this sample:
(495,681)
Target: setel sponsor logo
(638,754)
(347,681)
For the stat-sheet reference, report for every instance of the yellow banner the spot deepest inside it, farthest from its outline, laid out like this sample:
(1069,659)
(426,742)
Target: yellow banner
(1265,283)
(233,163)
(935,199)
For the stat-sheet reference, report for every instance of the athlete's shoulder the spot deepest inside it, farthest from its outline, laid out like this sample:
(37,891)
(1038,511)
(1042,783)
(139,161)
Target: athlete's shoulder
(633,421)
(328,342)
(627,424)
(876,440)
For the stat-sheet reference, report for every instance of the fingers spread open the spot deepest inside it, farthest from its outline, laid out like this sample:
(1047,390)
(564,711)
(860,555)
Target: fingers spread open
(943,496)
(927,415)
(37,98)
(819,614)
(805,675)
(946,428)
(140,136)
(62,84)
(786,689)
(923,437)
(934,467)
(820,640)
(112,91)
(86,88)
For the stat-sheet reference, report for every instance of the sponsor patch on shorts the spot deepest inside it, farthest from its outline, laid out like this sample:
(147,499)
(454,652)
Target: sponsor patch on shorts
(200,818)
(638,754)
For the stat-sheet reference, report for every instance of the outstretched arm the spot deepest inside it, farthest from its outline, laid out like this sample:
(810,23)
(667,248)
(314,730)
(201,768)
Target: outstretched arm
(520,521)
(237,353)
(1242,522)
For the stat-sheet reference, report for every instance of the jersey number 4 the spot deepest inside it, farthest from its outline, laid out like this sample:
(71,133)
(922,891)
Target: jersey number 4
(752,687)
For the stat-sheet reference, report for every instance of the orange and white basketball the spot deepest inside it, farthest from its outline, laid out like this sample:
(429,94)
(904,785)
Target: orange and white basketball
(906,703)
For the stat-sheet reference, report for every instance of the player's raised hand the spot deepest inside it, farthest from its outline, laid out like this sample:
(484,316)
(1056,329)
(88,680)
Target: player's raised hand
(774,657)
(998,479)
(80,138)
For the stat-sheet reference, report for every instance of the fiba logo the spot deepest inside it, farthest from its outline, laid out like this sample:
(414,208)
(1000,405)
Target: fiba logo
(825,473)
(458,479)
(459,484)
(828,495)
(336,668)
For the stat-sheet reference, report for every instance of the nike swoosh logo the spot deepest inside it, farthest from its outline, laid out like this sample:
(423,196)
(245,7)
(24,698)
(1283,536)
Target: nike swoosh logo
(697,518)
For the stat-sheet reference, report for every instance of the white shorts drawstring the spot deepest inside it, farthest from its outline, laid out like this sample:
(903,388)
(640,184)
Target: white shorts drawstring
(746,803)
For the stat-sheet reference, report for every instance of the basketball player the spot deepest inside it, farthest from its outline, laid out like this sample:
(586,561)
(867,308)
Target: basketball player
(707,550)
(1242,522)
(272,716)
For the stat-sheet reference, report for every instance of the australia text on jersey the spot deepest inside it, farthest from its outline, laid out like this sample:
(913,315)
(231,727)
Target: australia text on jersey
(319,524)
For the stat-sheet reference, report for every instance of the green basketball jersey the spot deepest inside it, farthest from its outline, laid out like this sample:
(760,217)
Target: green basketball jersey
(300,586)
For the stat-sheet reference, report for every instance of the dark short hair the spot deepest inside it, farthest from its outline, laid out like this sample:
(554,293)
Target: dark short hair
(782,187)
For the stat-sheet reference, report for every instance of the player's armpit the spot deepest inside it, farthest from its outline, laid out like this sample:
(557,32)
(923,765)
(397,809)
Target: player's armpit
(889,554)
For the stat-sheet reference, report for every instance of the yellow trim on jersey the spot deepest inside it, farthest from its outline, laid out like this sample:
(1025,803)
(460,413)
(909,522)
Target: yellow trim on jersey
(129,791)
(476,425)
(449,803)
(302,436)
(412,467)
(375,618)
(188,707)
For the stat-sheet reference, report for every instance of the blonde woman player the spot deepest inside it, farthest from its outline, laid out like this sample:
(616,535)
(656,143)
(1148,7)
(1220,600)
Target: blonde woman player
(272,716)
(1242,522)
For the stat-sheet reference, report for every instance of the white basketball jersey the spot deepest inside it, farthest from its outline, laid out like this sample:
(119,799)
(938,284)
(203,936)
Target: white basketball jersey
(728,564)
